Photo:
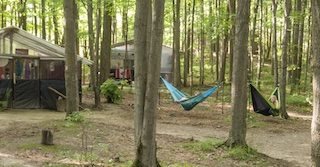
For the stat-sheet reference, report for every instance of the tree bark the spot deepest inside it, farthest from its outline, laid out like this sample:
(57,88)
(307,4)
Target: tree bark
(237,135)
(72,100)
(191,47)
(43,19)
(274,43)
(96,57)
(187,45)
(176,41)
(55,23)
(232,7)
(106,42)
(315,124)
(202,44)
(23,14)
(147,81)
(285,41)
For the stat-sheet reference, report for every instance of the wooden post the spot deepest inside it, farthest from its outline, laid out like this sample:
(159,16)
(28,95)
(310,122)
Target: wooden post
(47,137)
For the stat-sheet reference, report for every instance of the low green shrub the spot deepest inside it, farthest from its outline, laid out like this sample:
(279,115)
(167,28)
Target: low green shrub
(110,90)
(75,117)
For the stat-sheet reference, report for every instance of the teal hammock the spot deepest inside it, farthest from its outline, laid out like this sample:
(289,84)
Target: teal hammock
(186,101)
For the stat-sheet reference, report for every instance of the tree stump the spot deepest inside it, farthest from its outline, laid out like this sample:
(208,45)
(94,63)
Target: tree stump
(47,137)
(61,104)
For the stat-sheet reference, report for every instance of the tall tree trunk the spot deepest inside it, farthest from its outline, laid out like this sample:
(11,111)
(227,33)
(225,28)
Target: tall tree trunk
(261,48)
(23,14)
(55,23)
(211,32)
(96,86)
(91,42)
(274,43)
(3,18)
(202,44)
(301,40)
(106,42)
(191,47)
(72,100)
(114,28)
(187,45)
(125,33)
(147,83)
(35,18)
(232,6)
(293,78)
(306,82)
(43,19)
(315,124)
(252,39)
(237,135)
(222,70)
(142,27)
(285,41)
(176,41)
(217,44)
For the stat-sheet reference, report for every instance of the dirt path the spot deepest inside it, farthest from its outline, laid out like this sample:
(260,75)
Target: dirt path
(293,147)
(9,160)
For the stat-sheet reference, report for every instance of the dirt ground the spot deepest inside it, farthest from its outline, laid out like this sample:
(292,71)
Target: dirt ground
(107,137)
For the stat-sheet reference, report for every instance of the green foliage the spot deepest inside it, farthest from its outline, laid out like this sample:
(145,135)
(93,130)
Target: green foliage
(111,91)
(242,153)
(298,100)
(204,146)
(75,117)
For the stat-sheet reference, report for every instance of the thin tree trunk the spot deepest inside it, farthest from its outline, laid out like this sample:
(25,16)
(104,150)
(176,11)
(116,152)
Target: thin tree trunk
(315,124)
(55,23)
(23,14)
(285,41)
(91,42)
(202,44)
(72,100)
(308,52)
(176,49)
(187,45)
(261,49)
(3,18)
(35,18)
(293,76)
(211,31)
(96,57)
(191,48)
(237,135)
(274,43)
(300,43)
(217,44)
(232,7)
(43,19)
(106,42)
(252,40)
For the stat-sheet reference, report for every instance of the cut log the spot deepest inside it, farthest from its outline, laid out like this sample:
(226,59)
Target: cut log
(47,137)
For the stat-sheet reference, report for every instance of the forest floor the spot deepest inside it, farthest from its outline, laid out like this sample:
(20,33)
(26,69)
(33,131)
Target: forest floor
(183,138)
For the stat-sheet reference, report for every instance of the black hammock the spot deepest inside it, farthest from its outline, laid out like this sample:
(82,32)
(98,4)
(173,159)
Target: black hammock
(261,105)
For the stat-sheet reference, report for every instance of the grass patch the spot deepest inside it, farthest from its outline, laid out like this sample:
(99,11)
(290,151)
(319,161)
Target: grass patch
(204,146)
(298,100)
(242,153)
